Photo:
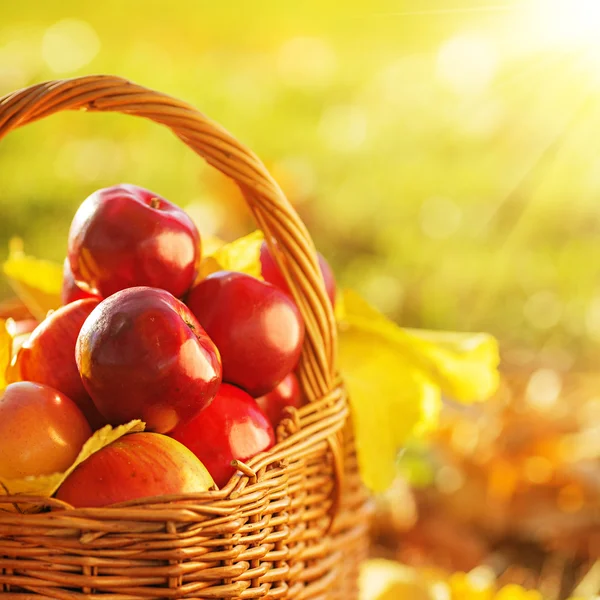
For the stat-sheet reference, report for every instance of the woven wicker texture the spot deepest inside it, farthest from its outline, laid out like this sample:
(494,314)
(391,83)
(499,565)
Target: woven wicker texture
(293,522)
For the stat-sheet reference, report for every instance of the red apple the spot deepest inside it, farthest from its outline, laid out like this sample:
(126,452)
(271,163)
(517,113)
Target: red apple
(271,273)
(232,427)
(70,290)
(139,465)
(287,393)
(142,354)
(256,327)
(48,356)
(41,431)
(126,236)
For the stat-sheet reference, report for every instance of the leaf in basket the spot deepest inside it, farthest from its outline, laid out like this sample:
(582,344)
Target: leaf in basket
(241,255)
(5,352)
(37,282)
(46,485)
(395,379)
(210,244)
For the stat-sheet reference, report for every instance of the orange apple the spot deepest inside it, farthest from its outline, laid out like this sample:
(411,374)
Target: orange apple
(41,430)
(48,356)
(138,465)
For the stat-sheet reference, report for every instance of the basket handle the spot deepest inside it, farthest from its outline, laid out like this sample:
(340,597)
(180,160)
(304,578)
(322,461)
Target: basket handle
(287,237)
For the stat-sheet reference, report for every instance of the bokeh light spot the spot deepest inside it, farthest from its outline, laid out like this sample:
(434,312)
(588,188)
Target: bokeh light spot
(570,498)
(69,45)
(543,388)
(449,479)
(538,469)
(86,160)
(306,62)
(344,128)
(543,309)
(439,218)
(465,437)
(467,64)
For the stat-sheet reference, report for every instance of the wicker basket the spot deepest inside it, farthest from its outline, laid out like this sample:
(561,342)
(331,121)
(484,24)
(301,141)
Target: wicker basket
(292,523)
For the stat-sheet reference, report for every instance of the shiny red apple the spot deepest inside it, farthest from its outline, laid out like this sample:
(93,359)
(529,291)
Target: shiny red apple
(143,355)
(287,393)
(232,427)
(271,273)
(126,236)
(41,431)
(139,465)
(48,356)
(70,290)
(256,327)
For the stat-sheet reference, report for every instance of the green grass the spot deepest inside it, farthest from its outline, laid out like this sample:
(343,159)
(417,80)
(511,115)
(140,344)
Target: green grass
(449,206)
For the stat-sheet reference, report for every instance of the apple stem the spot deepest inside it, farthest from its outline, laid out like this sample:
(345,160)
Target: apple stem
(155,203)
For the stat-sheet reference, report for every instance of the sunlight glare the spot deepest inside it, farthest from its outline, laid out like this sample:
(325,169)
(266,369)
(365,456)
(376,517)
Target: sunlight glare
(569,22)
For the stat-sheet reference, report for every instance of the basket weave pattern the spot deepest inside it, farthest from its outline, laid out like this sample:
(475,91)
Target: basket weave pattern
(292,523)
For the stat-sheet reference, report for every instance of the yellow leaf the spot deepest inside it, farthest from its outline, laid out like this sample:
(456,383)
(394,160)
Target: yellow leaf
(210,244)
(241,255)
(395,380)
(390,400)
(5,352)
(37,282)
(463,365)
(46,485)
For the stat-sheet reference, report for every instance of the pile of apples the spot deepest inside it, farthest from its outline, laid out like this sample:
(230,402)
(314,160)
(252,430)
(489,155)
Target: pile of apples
(208,365)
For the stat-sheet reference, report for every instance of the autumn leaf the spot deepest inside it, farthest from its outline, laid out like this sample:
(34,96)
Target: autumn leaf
(46,485)
(37,282)
(210,244)
(463,365)
(395,380)
(5,352)
(242,255)
(389,399)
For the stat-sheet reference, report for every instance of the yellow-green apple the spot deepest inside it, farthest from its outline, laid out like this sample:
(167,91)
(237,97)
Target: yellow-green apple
(138,465)
(41,430)
(48,356)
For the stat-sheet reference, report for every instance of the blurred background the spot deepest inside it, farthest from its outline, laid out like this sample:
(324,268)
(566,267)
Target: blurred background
(443,152)
(445,156)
